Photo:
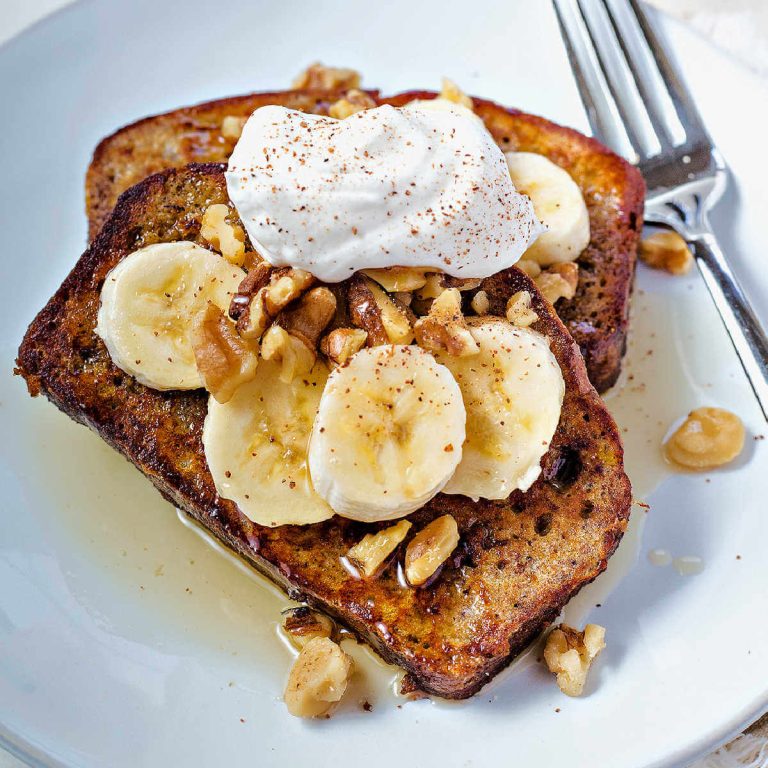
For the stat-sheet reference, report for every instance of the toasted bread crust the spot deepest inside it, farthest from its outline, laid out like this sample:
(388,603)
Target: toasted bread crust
(518,561)
(614,191)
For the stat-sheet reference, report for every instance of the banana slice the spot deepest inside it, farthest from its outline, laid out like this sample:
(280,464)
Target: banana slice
(388,433)
(256,447)
(148,305)
(513,392)
(557,202)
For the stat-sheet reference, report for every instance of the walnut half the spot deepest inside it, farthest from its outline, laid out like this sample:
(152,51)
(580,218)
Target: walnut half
(224,360)
(569,654)
(318,678)
(708,438)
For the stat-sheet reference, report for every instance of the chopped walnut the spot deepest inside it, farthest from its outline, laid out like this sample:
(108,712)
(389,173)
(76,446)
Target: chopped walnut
(369,554)
(559,281)
(224,360)
(398,279)
(531,268)
(569,654)
(285,285)
(232,127)
(667,251)
(302,624)
(229,240)
(293,338)
(481,304)
(341,343)
(257,277)
(318,678)
(372,309)
(519,311)
(295,357)
(708,438)
(320,77)
(444,328)
(353,102)
(451,92)
(430,548)
(404,297)
(310,316)
(436,282)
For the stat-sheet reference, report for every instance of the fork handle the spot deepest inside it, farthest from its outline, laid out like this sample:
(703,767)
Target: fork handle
(740,321)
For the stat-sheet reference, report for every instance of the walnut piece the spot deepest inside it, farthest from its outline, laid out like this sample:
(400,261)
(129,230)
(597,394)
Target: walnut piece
(444,328)
(232,126)
(341,343)
(302,624)
(481,304)
(519,311)
(559,281)
(320,77)
(318,678)
(708,438)
(668,251)
(295,357)
(369,554)
(293,338)
(310,316)
(398,279)
(284,286)
(353,102)
(432,288)
(435,283)
(224,360)
(569,654)
(257,277)
(430,548)
(372,309)
(229,240)
(451,92)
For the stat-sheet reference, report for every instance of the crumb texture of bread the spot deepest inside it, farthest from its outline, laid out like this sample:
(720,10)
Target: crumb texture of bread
(517,562)
(614,191)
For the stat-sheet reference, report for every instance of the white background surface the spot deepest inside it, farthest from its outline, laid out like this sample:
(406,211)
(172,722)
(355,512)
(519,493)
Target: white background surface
(735,106)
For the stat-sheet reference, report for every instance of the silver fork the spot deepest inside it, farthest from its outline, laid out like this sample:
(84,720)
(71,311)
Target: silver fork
(637,104)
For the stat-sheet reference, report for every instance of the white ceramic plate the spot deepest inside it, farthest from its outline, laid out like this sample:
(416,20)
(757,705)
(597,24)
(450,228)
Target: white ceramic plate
(126,640)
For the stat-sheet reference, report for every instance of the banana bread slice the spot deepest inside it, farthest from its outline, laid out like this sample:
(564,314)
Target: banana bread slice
(613,190)
(518,560)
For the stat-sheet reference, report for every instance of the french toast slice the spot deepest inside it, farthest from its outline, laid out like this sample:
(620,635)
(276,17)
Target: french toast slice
(597,315)
(518,560)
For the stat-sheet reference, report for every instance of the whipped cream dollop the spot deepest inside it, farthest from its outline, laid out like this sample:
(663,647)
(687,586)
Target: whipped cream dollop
(409,187)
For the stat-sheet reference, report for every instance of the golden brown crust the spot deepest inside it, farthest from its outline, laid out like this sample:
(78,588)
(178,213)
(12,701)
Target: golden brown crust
(518,561)
(614,191)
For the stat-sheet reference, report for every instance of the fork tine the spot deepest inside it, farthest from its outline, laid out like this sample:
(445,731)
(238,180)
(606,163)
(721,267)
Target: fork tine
(645,70)
(620,79)
(601,109)
(669,104)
